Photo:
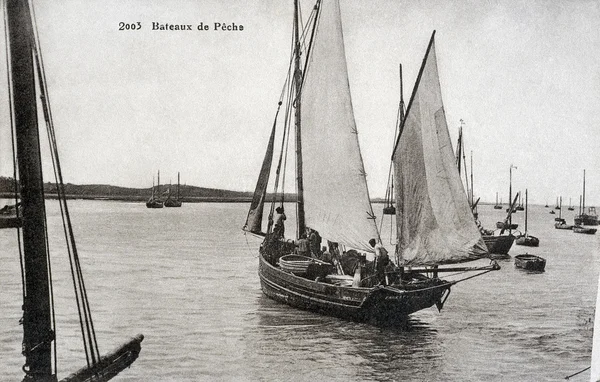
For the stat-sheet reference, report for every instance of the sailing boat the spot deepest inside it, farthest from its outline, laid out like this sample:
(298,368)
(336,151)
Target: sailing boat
(525,238)
(333,199)
(26,78)
(560,222)
(519,207)
(170,202)
(571,208)
(557,207)
(591,218)
(497,206)
(155,202)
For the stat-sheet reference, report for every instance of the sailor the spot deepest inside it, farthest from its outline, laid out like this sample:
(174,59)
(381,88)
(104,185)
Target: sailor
(303,246)
(381,260)
(279,228)
(315,243)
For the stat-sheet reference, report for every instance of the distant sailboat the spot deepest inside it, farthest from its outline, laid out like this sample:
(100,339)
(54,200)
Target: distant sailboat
(154,201)
(527,239)
(519,207)
(583,218)
(322,110)
(498,206)
(173,202)
(28,86)
(571,208)
(560,222)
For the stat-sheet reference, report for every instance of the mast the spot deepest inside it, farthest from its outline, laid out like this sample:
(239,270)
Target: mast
(158,184)
(177,185)
(298,81)
(472,186)
(560,208)
(38,334)
(526,208)
(583,205)
(510,206)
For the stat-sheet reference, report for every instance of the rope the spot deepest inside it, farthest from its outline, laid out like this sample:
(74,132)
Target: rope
(83,306)
(579,372)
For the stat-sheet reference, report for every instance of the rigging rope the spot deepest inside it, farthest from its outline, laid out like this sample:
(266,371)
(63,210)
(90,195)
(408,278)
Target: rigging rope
(84,311)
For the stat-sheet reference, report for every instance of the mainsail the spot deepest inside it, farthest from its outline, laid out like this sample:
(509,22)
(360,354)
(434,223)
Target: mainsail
(336,198)
(434,221)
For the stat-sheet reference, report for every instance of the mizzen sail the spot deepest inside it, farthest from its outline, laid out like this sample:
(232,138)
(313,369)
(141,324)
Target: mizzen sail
(336,198)
(255,214)
(435,224)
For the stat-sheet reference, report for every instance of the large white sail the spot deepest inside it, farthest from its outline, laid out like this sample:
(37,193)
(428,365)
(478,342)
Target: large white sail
(435,224)
(336,198)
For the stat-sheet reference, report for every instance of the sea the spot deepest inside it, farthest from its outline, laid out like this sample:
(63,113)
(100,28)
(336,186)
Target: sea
(186,278)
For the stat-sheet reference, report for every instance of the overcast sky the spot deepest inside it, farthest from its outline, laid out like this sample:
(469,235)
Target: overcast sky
(522,74)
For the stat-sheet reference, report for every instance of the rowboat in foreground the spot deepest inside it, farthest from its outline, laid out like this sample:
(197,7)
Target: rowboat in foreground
(530,262)
(582,229)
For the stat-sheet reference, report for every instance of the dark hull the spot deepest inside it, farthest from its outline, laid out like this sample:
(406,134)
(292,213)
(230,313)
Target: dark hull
(586,220)
(501,225)
(377,305)
(497,207)
(589,231)
(172,203)
(563,226)
(499,245)
(154,204)
(529,241)
(530,262)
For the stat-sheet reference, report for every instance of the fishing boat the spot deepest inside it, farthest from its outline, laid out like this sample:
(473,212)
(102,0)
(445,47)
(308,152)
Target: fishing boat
(562,224)
(530,262)
(557,206)
(582,229)
(173,202)
(332,196)
(526,239)
(498,206)
(519,206)
(27,85)
(154,201)
(552,212)
(571,208)
(583,218)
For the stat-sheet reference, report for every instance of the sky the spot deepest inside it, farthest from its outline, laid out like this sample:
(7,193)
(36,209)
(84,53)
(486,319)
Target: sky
(522,74)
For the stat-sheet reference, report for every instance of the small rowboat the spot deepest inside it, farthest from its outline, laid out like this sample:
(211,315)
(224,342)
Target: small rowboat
(303,266)
(580,229)
(530,262)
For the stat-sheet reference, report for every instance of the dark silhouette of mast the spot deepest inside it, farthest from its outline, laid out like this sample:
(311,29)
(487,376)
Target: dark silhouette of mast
(38,330)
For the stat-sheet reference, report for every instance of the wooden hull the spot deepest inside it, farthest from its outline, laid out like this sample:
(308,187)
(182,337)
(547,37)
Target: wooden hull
(497,207)
(585,219)
(589,231)
(154,204)
(172,203)
(530,262)
(501,225)
(499,245)
(563,226)
(377,305)
(529,241)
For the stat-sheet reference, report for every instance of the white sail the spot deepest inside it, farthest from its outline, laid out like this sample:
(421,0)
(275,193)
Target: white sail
(336,198)
(595,373)
(435,224)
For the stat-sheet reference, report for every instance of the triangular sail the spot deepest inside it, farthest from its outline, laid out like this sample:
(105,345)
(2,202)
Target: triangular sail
(255,214)
(336,198)
(435,224)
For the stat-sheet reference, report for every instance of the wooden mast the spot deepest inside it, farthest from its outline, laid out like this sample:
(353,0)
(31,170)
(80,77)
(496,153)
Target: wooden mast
(38,334)
(177,185)
(583,205)
(298,81)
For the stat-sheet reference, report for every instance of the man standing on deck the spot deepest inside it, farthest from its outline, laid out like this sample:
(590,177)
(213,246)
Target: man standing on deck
(381,260)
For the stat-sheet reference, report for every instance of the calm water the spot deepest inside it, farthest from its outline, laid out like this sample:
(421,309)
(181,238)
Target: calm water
(187,279)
